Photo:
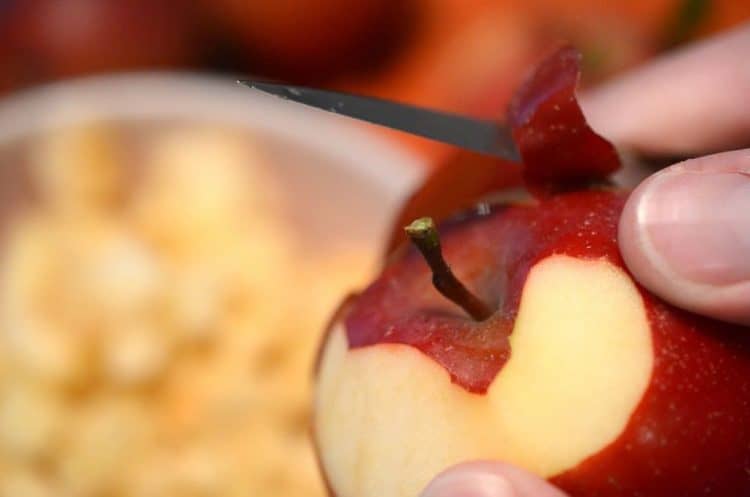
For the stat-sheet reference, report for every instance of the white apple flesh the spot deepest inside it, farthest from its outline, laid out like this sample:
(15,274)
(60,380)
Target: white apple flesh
(580,363)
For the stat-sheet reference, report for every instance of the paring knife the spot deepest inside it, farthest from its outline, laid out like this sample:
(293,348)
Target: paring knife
(483,136)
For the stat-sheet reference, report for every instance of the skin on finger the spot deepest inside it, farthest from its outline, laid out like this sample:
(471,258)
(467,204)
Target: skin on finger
(693,101)
(685,235)
(489,479)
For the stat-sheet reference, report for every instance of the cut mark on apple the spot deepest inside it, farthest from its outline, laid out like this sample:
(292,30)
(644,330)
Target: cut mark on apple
(581,334)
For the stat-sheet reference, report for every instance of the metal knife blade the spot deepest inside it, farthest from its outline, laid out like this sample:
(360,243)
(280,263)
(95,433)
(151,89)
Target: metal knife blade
(483,136)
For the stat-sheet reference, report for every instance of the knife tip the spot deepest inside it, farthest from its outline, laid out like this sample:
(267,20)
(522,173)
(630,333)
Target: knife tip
(277,90)
(262,86)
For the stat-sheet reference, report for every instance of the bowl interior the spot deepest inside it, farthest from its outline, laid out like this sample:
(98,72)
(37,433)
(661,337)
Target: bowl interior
(341,184)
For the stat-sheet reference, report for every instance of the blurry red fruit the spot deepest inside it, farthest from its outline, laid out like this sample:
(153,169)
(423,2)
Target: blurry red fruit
(309,39)
(50,39)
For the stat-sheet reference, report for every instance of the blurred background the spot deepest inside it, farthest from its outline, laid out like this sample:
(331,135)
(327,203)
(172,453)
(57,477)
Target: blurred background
(462,55)
(172,245)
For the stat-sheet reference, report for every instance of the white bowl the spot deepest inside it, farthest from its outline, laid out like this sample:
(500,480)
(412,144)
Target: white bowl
(342,184)
(345,182)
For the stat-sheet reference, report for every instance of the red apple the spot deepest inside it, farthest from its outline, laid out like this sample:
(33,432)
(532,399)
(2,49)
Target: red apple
(49,39)
(310,38)
(565,367)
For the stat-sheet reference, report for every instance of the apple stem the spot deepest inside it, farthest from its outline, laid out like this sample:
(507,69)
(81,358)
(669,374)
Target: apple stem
(425,237)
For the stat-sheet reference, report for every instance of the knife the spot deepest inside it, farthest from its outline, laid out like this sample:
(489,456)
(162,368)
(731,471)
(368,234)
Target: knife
(482,136)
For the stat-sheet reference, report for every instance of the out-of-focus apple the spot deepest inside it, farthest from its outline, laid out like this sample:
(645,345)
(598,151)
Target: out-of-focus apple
(559,362)
(49,39)
(309,39)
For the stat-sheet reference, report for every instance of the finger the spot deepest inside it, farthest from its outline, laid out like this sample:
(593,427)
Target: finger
(695,100)
(489,479)
(685,235)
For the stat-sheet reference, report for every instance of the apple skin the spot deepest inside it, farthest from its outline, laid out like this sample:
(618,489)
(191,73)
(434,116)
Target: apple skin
(455,184)
(685,426)
(690,433)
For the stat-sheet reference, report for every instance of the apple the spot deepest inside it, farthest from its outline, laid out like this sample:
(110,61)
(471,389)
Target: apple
(50,39)
(310,39)
(456,183)
(535,346)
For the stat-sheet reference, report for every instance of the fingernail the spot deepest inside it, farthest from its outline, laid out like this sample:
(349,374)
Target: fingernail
(697,224)
(474,483)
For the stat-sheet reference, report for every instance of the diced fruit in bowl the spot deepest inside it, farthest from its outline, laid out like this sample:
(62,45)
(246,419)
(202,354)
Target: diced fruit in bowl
(154,302)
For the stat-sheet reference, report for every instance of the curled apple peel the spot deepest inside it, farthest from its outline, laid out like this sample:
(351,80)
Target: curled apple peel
(558,148)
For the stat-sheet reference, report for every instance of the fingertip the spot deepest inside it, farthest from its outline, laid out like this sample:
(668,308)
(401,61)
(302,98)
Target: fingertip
(654,109)
(488,479)
(685,235)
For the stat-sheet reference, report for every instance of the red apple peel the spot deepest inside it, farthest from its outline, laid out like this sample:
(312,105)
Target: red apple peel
(559,149)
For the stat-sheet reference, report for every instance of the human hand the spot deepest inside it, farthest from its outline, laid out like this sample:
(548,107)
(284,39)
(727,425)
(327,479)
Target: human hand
(685,231)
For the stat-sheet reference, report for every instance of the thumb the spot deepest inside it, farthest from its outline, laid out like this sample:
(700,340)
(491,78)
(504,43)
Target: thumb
(488,479)
(685,235)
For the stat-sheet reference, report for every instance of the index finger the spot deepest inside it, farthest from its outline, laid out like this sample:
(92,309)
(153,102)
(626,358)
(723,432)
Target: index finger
(692,101)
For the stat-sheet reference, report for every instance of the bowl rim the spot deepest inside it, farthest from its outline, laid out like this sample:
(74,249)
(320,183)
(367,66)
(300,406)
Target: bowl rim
(210,98)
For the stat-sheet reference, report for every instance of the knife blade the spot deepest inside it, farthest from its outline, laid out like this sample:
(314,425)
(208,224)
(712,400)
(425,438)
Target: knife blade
(482,136)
